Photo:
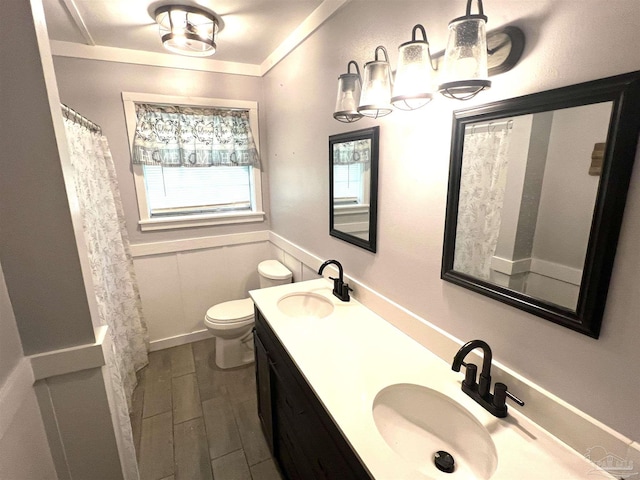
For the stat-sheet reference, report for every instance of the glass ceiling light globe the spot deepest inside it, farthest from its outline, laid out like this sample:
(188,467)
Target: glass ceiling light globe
(188,30)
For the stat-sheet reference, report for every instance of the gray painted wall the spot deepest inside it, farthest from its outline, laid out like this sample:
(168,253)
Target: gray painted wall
(567,42)
(37,239)
(24,452)
(95,88)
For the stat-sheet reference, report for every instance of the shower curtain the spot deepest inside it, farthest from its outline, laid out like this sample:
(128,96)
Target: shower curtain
(112,271)
(484,174)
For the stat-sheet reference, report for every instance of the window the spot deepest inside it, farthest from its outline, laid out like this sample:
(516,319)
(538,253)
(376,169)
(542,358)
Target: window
(188,196)
(348,188)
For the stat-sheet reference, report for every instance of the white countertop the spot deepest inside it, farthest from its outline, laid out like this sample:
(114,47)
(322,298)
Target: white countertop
(350,355)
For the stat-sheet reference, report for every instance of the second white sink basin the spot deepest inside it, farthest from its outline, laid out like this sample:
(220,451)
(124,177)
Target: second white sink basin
(416,422)
(305,304)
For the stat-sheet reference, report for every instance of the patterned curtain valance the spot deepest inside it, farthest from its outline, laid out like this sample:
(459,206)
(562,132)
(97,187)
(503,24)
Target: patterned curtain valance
(176,136)
(356,151)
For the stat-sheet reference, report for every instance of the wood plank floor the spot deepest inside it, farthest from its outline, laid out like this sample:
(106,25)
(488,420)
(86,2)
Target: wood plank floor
(194,421)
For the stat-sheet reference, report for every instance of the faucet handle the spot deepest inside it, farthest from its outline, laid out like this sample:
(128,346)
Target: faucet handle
(500,394)
(470,374)
(344,294)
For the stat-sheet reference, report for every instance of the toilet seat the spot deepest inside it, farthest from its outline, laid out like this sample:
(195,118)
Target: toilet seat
(231,313)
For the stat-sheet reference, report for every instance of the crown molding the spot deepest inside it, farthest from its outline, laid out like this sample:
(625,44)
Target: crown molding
(310,24)
(138,57)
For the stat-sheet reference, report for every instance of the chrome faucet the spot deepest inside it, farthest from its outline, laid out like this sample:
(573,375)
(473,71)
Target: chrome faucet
(494,403)
(340,289)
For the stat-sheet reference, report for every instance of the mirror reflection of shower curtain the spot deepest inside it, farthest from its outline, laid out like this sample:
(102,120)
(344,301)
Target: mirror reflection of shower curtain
(114,282)
(482,186)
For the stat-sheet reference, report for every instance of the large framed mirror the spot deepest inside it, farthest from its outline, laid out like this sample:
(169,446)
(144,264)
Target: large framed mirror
(353,187)
(537,189)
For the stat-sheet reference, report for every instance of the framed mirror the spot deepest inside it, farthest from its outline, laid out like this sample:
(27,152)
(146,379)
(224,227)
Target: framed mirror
(537,189)
(353,187)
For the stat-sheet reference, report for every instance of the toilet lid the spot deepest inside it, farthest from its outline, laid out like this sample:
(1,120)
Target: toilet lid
(273,270)
(233,311)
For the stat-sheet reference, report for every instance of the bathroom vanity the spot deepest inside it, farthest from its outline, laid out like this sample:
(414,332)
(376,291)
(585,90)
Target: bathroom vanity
(299,431)
(343,394)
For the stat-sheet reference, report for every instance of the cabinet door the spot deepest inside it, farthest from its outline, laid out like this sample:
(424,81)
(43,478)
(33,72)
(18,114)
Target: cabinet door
(263,383)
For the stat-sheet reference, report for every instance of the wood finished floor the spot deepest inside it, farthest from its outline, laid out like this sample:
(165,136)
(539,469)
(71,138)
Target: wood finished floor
(192,420)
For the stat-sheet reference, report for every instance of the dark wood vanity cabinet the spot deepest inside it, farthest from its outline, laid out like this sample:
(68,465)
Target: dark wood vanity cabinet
(302,437)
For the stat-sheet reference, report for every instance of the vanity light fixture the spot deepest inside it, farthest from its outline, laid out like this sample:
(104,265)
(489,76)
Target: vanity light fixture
(375,100)
(471,56)
(349,89)
(413,86)
(465,72)
(188,30)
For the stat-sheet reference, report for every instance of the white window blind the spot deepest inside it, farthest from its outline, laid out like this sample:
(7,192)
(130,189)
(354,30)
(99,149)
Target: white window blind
(348,187)
(184,190)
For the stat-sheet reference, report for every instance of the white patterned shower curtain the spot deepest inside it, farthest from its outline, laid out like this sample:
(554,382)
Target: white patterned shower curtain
(484,178)
(112,271)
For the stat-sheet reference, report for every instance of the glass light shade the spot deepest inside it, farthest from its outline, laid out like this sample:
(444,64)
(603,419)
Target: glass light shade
(375,100)
(349,88)
(187,30)
(465,70)
(413,86)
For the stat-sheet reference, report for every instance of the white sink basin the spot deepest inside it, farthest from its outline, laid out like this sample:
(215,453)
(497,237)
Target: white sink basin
(305,304)
(416,422)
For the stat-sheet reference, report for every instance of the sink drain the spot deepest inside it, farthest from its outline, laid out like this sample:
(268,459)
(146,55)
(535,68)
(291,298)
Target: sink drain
(444,461)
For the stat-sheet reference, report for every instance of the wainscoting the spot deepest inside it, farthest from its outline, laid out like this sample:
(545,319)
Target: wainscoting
(180,280)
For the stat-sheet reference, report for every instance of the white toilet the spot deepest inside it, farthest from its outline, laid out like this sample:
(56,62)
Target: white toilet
(231,322)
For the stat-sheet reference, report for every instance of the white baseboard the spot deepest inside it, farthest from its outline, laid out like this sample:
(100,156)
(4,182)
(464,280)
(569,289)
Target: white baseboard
(179,340)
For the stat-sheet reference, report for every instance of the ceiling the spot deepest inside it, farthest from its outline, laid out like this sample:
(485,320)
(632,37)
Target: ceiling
(254,32)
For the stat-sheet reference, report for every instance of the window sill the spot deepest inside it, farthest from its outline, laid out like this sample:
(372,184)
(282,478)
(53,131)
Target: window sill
(169,223)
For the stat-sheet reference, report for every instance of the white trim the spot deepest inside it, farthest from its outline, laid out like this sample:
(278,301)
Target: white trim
(13,391)
(79,21)
(556,270)
(300,254)
(320,15)
(541,267)
(200,243)
(138,57)
(193,101)
(179,340)
(352,227)
(168,223)
(350,209)
(187,221)
(510,267)
(68,360)
(153,59)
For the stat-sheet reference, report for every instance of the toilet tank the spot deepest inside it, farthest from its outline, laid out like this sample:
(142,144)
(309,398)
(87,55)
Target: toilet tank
(273,273)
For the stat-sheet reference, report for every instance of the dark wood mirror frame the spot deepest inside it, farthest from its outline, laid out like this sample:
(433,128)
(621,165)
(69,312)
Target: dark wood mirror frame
(622,140)
(371,134)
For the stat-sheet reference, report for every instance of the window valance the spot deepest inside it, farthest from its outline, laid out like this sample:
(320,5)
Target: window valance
(177,136)
(356,151)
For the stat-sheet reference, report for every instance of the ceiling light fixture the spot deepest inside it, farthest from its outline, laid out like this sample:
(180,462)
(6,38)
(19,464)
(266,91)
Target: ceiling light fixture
(188,30)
